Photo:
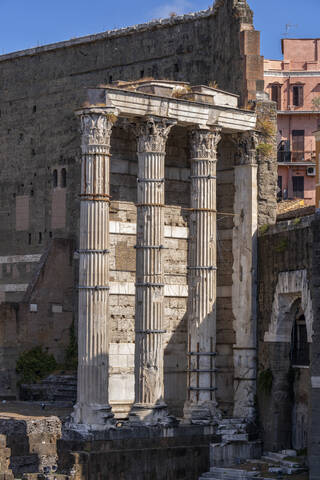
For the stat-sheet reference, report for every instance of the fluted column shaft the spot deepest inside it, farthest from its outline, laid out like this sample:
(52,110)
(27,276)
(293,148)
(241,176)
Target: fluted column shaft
(201,401)
(152,135)
(92,406)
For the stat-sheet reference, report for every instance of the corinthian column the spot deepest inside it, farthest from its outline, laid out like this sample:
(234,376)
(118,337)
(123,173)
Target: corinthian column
(92,406)
(149,404)
(244,277)
(200,406)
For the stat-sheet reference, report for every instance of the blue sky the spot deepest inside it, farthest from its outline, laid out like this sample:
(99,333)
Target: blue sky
(28,23)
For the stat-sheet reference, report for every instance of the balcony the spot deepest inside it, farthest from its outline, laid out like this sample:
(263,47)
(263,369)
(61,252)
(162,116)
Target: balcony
(284,157)
(297,157)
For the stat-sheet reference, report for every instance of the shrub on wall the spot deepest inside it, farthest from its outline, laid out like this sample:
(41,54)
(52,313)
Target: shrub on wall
(265,149)
(34,365)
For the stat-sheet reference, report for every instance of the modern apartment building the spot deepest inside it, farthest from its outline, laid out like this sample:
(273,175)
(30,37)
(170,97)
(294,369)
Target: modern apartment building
(294,83)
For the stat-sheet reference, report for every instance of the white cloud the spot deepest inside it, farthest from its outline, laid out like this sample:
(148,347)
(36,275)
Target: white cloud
(177,6)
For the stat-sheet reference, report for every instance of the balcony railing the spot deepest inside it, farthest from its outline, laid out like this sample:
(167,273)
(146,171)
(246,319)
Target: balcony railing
(285,156)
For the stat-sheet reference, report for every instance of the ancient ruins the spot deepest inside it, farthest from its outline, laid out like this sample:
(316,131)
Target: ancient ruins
(203,119)
(139,228)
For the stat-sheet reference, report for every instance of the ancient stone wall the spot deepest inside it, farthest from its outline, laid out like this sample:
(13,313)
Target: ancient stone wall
(43,318)
(267,161)
(59,278)
(130,454)
(40,180)
(41,88)
(285,269)
(32,441)
(314,432)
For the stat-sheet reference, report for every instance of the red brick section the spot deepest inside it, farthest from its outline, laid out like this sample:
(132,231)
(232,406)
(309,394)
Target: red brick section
(253,63)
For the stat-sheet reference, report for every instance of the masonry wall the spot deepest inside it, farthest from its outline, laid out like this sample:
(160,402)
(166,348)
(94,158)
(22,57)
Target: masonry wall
(177,454)
(43,317)
(314,433)
(286,247)
(267,165)
(41,88)
(39,141)
(55,278)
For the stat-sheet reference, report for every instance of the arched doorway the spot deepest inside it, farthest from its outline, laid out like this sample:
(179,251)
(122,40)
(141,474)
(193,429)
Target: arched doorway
(300,360)
(284,410)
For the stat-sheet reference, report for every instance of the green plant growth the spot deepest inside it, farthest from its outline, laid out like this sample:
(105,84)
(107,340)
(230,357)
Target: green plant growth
(263,229)
(266,127)
(296,221)
(213,84)
(71,358)
(112,117)
(34,365)
(282,246)
(265,149)
(265,381)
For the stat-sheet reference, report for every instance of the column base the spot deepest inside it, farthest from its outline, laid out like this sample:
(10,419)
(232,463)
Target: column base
(146,415)
(201,413)
(95,416)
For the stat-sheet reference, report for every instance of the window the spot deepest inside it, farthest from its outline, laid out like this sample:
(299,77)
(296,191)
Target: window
(297,95)
(276,95)
(299,343)
(298,187)
(63,180)
(55,178)
(297,145)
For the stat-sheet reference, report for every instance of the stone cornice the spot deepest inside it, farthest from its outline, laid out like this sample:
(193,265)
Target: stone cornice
(133,104)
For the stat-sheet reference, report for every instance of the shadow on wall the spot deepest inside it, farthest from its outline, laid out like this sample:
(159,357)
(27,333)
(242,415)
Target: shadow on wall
(43,318)
(284,401)
(123,187)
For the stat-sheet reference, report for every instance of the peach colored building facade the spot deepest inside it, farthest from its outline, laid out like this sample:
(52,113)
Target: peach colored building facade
(294,83)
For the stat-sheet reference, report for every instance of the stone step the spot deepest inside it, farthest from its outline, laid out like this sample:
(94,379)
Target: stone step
(230,428)
(229,475)
(232,474)
(232,421)
(286,463)
(222,424)
(211,476)
(237,437)
(230,431)
(55,388)
(228,454)
(42,476)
